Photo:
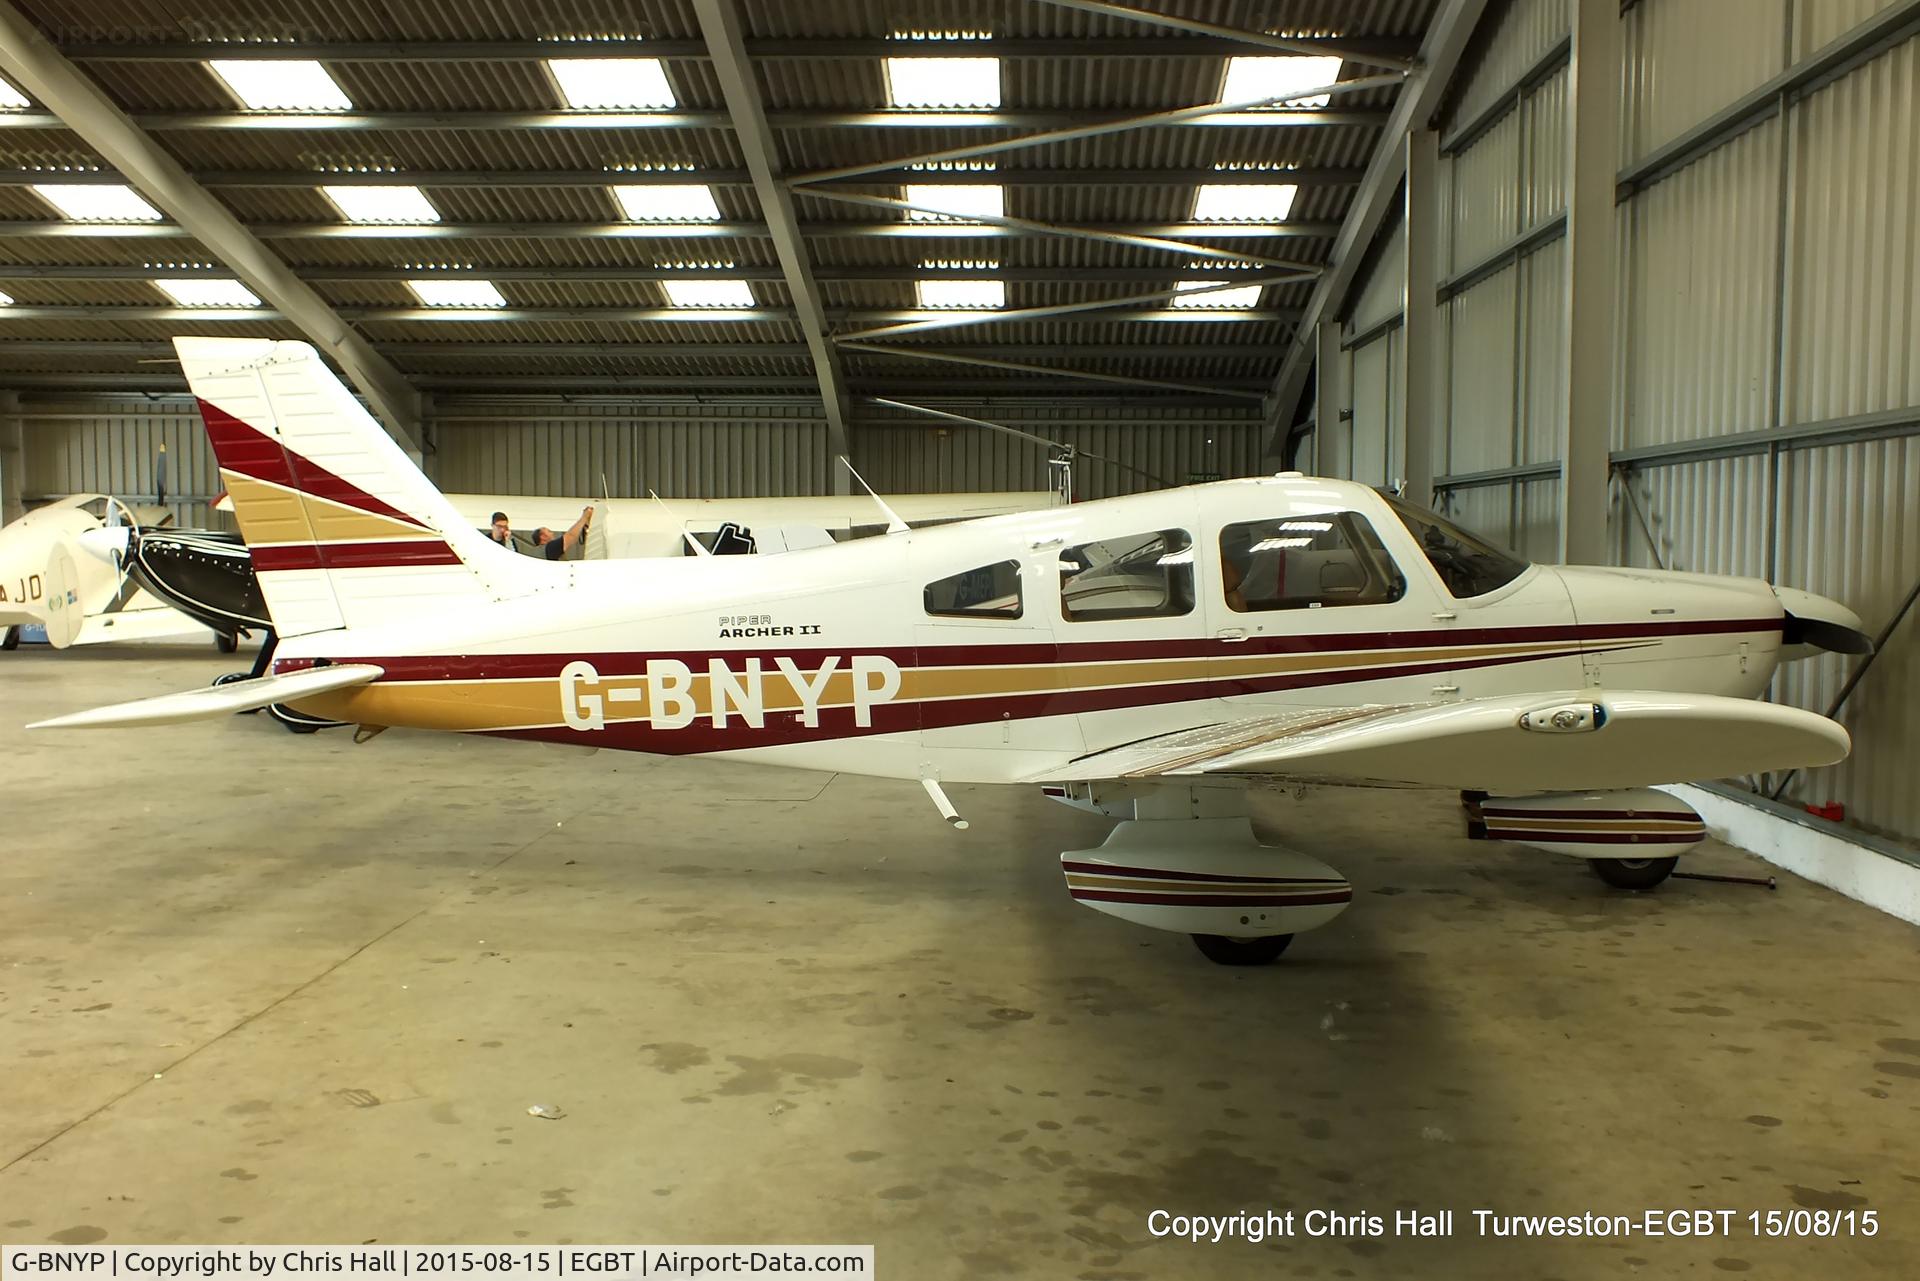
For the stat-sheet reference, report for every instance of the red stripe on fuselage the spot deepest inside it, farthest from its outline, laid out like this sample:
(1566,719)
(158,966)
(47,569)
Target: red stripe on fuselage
(784,728)
(633,662)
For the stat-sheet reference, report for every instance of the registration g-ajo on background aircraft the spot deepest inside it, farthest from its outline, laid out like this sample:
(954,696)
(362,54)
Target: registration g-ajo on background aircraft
(1142,657)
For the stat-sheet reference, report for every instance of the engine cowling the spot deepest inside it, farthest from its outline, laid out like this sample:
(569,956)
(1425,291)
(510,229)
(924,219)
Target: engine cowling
(1636,823)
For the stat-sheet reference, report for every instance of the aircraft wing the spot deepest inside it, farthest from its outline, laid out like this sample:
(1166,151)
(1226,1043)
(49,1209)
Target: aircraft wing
(1513,743)
(219,700)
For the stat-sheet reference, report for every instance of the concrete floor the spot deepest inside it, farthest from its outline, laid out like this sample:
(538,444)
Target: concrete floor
(260,988)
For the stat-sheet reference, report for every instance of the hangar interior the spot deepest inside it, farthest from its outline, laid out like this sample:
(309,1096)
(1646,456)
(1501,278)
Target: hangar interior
(1612,283)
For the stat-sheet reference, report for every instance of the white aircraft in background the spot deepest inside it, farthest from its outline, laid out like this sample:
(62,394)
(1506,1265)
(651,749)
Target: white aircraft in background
(625,527)
(59,570)
(1144,657)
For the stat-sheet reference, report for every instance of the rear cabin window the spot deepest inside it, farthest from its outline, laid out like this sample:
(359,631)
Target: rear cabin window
(1306,562)
(1132,576)
(991,591)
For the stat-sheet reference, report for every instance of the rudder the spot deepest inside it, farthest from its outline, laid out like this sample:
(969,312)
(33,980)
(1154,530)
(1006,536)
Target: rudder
(344,530)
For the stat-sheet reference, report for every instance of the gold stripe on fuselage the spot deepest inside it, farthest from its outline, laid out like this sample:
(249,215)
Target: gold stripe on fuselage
(521,703)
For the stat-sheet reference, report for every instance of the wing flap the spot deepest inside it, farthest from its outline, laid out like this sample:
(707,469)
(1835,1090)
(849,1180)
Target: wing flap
(219,700)
(1507,744)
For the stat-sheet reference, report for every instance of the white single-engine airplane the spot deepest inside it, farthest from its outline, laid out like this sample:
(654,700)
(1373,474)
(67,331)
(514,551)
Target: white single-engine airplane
(1142,657)
(60,569)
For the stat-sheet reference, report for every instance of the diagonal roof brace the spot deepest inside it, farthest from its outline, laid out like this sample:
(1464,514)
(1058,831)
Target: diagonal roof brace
(1441,51)
(40,70)
(720,26)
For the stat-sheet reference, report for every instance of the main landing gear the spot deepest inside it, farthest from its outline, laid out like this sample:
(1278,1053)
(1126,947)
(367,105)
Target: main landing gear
(1224,949)
(1633,873)
(295,722)
(1631,838)
(1184,859)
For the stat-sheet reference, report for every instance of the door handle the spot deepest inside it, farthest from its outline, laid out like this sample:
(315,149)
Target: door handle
(1231,635)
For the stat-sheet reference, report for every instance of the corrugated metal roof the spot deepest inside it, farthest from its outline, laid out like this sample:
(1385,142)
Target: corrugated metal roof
(421,77)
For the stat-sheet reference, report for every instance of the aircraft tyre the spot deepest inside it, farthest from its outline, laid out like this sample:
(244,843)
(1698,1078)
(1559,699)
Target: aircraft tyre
(1633,873)
(10,638)
(1222,950)
(299,722)
(228,678)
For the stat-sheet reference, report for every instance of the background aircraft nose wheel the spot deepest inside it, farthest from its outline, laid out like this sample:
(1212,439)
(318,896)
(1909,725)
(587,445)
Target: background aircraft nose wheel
(10,638)
(1633,873)
(1222,950)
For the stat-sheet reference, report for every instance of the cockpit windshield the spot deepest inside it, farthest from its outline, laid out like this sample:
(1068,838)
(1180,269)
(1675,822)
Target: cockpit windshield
(1468,564)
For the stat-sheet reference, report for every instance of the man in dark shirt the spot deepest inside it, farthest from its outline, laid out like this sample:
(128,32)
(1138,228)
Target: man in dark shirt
(556,547)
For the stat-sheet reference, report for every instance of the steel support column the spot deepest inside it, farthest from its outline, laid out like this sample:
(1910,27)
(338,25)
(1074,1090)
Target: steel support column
(720,27)
(1329,396)
(1593,138)
(13,458)
(1420,340)
(39,69)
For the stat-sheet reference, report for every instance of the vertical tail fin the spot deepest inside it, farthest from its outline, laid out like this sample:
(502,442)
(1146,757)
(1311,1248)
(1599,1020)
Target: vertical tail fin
(345,531)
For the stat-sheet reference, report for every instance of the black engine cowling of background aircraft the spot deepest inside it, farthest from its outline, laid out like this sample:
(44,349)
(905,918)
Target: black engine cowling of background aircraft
(206,574)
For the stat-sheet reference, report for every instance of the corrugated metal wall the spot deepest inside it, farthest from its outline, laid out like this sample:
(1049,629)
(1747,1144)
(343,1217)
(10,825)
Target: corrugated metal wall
(1503,330)
(1173,445)
(111,445)
(1770,283)
(1360,446)
(1773,284)
(717,451)
(108,444)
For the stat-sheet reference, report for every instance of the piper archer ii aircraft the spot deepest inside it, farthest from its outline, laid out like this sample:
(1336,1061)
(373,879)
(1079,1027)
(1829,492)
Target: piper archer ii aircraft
(1144,657)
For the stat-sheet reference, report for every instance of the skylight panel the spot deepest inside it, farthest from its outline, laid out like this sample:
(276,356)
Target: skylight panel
(11,98)
(84,202)
(382,204)
(1251,79)
(208,293)
(612,84)
(963,295)
(1239,299)
(1254,202)
(732,294)
(689,203)
(943,82)
(964,202)
(457,293)
(281,85)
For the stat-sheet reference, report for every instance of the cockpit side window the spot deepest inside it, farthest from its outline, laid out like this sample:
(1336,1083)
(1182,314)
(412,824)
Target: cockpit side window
(1468,564)
(991,591)
(1306,562)
(1130,576)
